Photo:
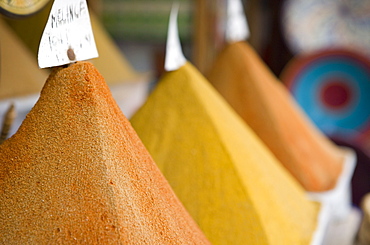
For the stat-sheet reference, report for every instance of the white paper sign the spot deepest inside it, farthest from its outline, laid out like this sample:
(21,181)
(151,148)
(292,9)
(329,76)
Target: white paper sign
(174,55)
(237,27)
(68,35)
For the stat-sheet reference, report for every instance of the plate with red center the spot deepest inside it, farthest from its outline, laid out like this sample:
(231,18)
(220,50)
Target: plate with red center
(333,88)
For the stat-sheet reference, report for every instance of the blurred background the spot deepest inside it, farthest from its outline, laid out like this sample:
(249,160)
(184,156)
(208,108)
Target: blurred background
(140,28)
(319,48)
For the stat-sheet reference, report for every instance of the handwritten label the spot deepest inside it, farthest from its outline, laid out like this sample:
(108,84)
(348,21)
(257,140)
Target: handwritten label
(68,35)
(174,55)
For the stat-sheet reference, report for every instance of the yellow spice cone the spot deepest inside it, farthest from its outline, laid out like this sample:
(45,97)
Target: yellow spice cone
(267,107)
(77,173)
(228,181)
(19,73)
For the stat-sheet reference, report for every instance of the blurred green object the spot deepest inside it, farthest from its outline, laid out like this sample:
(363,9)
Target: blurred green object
(145,20)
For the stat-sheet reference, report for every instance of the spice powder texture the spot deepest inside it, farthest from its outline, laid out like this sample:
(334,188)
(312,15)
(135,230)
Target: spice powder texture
(267,107)
(230,183)
(77,173)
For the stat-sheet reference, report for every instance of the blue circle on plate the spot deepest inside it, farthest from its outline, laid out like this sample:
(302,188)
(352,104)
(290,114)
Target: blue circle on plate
(315,82)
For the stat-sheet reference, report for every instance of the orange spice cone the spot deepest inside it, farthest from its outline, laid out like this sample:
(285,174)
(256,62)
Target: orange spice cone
(268,108)
(229,182)
(77,173)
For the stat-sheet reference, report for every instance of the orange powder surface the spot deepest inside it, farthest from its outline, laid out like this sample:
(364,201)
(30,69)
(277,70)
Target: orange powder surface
(77,173)
(267,107)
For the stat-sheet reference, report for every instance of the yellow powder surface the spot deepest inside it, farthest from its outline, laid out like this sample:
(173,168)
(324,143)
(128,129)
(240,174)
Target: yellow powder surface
(227,179)
(268,108)
(77,173)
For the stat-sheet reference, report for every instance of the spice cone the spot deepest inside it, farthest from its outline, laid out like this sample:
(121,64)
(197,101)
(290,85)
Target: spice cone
(226,178)
(76,172)
(268,108)
(19,73)
(364,232)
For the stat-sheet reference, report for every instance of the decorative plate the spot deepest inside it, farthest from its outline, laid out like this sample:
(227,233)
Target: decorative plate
(317,24)
(21,8)
(333,88)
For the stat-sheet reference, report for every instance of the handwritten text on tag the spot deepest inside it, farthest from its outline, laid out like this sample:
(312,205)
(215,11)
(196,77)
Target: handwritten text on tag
(68,35)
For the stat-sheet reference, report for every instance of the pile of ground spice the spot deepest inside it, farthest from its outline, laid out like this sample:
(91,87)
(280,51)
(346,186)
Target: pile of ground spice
(77,173)
(227,179)
(268,108)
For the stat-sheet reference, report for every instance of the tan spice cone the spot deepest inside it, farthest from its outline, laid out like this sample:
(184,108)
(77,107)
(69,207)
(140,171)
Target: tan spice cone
(364,232)
(19,73)
(111,62)
(77,173)
(227,179)
(268,108)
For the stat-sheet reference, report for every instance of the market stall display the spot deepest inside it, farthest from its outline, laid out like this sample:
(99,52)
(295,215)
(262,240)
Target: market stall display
(229,158)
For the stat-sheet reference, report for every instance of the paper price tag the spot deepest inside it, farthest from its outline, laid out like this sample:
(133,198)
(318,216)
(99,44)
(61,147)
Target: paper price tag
(68,35)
